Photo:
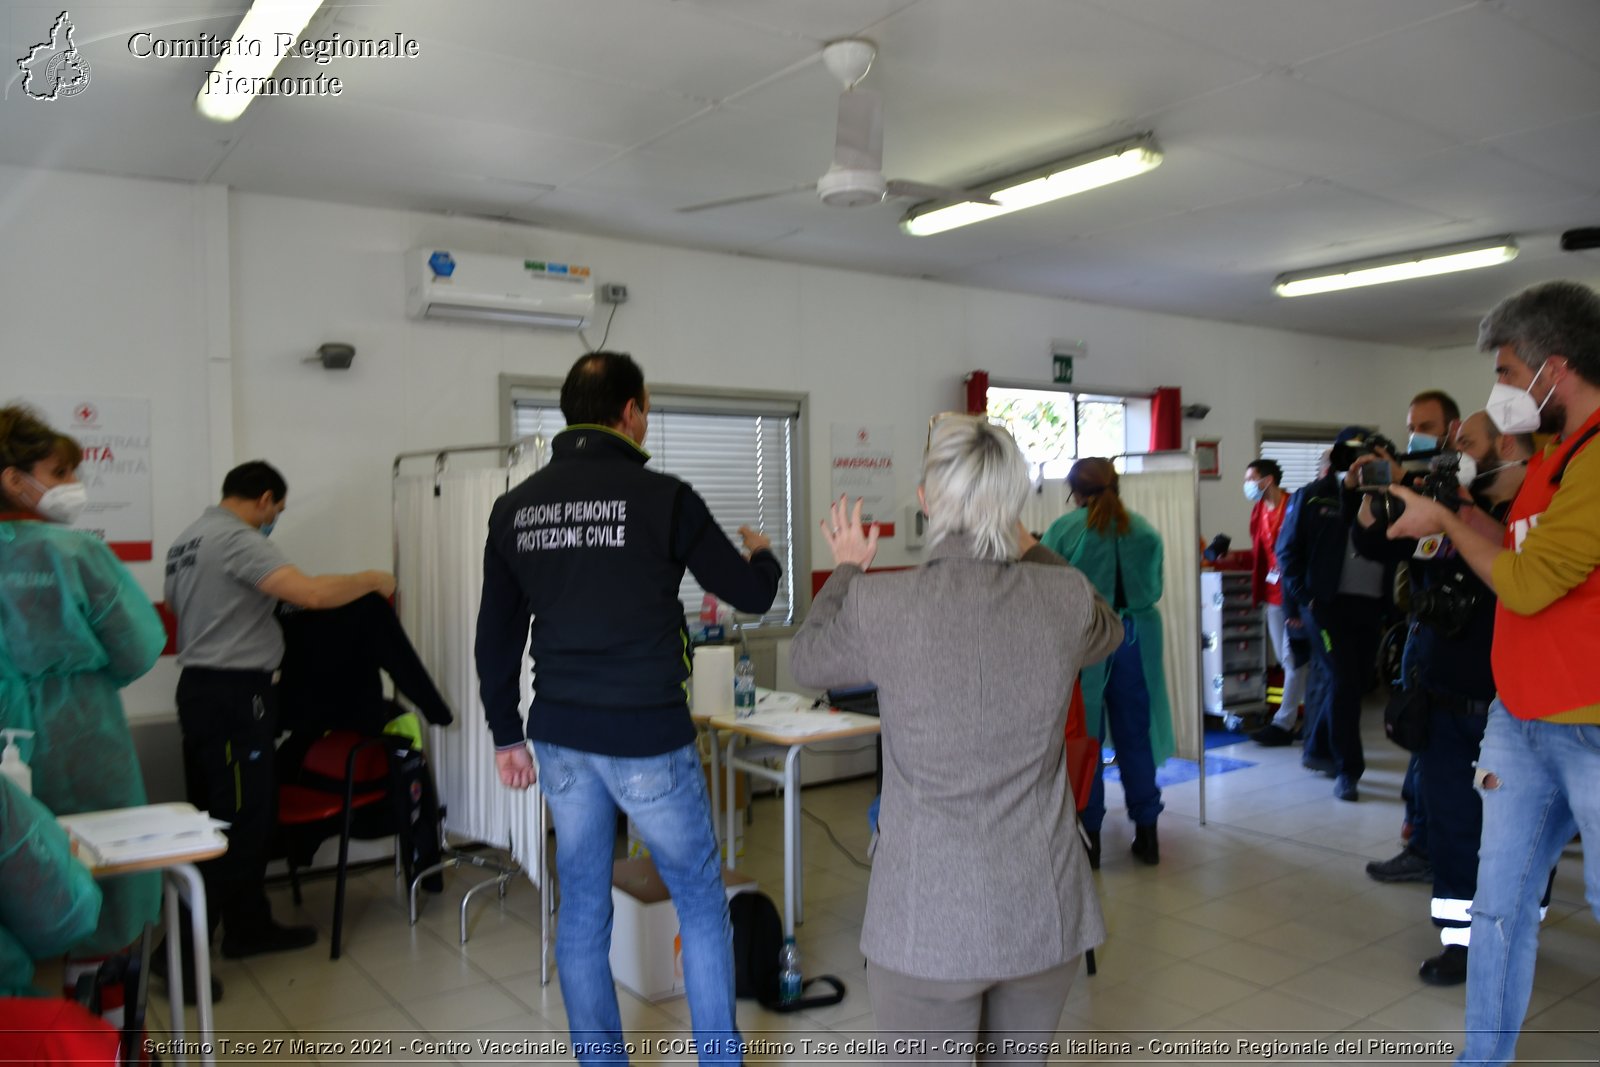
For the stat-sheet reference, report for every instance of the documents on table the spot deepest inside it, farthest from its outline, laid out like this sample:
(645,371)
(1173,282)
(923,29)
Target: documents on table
(134,835)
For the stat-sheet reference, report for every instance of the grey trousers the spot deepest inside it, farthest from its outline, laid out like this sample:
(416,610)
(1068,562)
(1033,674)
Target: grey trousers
(1012,1021)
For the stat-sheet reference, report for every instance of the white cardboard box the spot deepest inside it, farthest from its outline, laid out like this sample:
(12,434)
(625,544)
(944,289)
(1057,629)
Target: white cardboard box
(646,955)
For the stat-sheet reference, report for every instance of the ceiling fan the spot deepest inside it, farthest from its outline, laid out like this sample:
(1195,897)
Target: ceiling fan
(856,177)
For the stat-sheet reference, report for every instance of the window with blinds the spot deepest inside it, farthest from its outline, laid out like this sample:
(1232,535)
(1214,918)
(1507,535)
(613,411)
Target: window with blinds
(739,455)
(1300,458)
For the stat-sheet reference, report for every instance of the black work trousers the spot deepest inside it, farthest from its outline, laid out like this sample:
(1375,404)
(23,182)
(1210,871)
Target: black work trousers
(230,723)
(1455,811)
(1345,648)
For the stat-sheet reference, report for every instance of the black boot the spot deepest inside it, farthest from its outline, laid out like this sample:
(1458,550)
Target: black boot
(1094,852)
(1145,845)
(1447,968)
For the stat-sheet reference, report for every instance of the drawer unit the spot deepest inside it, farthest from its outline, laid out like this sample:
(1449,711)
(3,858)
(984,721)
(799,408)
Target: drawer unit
(1233,647)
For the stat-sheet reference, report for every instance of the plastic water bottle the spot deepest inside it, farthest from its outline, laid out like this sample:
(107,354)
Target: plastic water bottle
(789,981)
(744,688)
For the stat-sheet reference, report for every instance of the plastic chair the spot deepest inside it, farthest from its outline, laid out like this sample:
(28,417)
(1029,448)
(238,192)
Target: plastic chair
(362,764)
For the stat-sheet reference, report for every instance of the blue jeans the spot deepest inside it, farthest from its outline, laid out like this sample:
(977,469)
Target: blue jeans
(665,796)
(1545,787)
(1127,714)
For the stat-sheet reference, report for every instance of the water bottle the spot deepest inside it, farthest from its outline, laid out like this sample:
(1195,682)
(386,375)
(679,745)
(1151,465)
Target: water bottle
(789,983)
(744,688)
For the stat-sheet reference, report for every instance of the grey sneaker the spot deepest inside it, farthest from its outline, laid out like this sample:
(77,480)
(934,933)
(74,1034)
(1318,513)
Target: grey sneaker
(1409,866)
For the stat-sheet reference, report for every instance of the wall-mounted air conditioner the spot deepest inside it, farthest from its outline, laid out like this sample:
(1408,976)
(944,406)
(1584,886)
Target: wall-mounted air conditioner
(441,284)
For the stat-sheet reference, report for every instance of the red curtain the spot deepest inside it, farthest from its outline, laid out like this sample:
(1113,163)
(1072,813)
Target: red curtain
(1166,419)
(978,392)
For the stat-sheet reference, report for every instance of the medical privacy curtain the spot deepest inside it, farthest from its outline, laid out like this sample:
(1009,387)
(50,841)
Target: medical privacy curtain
(1162,489)
(1166,419)
(440,521)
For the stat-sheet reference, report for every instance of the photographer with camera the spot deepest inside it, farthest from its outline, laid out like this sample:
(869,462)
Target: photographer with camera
(1432,420)
(1538,773)
(1339,597)
(1448,684)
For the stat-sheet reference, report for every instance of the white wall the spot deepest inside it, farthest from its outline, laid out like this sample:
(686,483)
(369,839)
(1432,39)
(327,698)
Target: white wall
(104,293)
(138,319)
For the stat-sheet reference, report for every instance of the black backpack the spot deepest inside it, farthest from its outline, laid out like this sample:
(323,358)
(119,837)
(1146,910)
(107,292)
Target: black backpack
(757,941)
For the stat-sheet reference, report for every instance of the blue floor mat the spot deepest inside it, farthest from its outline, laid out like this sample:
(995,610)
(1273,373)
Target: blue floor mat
(1176,771)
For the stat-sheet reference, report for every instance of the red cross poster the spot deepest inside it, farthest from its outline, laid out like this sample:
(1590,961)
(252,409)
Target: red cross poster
(114,433)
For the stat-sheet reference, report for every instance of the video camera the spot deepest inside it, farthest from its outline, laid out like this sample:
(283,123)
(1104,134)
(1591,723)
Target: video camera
(1439,482)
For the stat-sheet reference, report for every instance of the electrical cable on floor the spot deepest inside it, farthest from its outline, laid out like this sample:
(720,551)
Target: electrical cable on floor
(836,842)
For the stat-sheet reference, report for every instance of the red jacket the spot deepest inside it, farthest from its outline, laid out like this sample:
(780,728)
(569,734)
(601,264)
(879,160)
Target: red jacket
(1265,522)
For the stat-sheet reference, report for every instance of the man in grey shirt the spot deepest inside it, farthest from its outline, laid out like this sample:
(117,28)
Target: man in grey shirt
(223,580)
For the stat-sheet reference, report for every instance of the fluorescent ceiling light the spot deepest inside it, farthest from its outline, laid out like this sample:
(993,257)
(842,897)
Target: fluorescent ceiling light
(1125,159)
(1404,266)
(259,30)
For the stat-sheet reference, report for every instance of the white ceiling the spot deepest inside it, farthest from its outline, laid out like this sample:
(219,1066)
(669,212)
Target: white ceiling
(1298,133)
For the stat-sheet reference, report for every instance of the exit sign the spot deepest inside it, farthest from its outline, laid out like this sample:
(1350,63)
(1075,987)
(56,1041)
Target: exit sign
(1063,369)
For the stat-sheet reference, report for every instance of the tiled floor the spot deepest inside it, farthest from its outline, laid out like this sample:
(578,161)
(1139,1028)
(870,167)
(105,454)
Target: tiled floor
(1259,926)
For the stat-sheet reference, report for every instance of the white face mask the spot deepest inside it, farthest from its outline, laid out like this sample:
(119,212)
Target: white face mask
(1252,491)
(1513,410)
(1467,471)
(62,503)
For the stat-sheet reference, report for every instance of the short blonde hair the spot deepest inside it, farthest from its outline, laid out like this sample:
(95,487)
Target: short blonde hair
(975,481)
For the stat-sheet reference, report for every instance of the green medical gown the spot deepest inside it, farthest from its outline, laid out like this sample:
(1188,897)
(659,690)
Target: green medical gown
(74,629)
(1096,555)
(50,902)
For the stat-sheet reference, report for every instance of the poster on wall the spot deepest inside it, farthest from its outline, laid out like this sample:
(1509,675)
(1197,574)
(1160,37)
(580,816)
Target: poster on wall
(863,466)
(114,432)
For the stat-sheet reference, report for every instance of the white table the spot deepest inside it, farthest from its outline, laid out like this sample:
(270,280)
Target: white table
(180,878)
(782,735)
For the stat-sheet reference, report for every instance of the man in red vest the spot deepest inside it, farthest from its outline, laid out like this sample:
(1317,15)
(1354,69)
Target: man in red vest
(1539,768)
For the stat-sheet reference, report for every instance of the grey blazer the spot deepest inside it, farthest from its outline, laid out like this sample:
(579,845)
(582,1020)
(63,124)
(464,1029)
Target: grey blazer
(979,872)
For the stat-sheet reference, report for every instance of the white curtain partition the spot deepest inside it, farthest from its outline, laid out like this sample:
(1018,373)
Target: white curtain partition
(1161,487)
(441,515)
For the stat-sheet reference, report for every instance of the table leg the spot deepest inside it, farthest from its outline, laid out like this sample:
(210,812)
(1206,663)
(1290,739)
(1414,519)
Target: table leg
(200,929)
(733,839)
(791,840)
(716,785)
(542,867)
(169,887)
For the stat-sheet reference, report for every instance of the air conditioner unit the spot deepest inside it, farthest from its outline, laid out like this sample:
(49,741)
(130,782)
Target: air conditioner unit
(441,284)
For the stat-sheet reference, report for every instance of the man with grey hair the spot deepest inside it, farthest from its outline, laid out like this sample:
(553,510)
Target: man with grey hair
(1539,768)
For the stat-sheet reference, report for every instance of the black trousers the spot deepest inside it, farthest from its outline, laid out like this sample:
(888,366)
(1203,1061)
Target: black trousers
(1344,647)
(229,721)
(1455,811)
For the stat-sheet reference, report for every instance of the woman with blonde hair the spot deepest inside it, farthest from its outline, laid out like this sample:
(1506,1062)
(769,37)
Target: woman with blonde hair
(980,901)
(1121,554)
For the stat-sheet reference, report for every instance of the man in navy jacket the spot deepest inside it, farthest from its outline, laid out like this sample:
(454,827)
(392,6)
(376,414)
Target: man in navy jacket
(592,550)
(1339,597)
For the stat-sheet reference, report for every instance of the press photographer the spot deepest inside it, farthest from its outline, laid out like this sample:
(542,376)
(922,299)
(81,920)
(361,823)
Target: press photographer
(1448,685)
(1539,769)
(1432,419)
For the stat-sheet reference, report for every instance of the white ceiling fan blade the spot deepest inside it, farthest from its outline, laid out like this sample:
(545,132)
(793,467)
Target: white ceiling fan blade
(924,191)
(730,201)
(858,144)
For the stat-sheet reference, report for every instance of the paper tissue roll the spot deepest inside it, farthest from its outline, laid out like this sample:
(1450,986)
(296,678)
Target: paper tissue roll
(713,680)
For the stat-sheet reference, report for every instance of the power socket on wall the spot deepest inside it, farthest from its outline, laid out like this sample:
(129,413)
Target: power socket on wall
(613,293)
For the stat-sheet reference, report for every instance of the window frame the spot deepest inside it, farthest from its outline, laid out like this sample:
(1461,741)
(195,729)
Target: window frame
(716,400)
(1321,433)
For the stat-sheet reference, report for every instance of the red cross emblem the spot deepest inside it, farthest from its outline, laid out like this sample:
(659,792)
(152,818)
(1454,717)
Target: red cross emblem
(85,413)
(861,434)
